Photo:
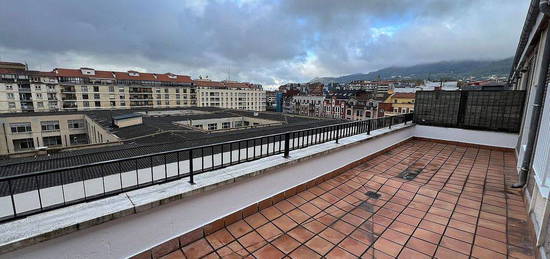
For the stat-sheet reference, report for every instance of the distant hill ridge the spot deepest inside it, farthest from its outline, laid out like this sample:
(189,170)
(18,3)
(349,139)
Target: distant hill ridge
(433,71)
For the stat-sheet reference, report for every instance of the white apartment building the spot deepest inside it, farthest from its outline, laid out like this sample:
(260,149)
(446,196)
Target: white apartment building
(230,95)
(84,89)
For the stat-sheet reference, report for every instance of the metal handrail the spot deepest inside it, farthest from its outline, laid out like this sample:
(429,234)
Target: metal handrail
(300,139)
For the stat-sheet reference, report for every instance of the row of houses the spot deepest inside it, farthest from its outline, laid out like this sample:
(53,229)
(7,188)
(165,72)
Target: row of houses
(347,104)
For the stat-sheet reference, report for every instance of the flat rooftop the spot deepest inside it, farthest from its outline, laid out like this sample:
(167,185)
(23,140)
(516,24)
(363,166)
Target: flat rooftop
(157,133)
(458,206)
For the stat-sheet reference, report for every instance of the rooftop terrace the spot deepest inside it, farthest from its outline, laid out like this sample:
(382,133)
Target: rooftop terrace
(459,206)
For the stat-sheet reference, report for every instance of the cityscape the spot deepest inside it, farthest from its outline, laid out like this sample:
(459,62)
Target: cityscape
(278,142)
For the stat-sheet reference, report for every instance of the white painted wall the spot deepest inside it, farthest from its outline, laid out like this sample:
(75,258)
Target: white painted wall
(132,234)
(488,138)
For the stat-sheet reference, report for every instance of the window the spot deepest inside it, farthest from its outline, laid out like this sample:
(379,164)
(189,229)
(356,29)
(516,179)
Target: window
(96,96)
(158,102)
(20,127)
(113,103)
(76,124)
(213,126)
(178,102)
(50,125)
(111,96)
(226,125)
(167,103)
(111,89)
(52,141)
(84,88)
(121,89)
(85,96)
(122,103)
(37,87)
(177,90)
(86,104)
(40,105)
(11,96)
(97,104)
(23,144)
(9,87)
(78,139)
(166,90)
(39,95)
(166,96)
(96,89)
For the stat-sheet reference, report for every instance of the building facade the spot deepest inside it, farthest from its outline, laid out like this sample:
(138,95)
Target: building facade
(230,95)
(400,103)
(33,133)
(82,89)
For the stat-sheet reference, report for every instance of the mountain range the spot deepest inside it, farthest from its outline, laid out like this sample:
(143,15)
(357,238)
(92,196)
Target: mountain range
(432,71)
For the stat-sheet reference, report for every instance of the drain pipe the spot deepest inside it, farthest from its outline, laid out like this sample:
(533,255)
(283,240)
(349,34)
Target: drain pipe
(537,106)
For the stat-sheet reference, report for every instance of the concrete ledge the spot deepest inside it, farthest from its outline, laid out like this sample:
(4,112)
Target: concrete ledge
(478,138)
(46,226)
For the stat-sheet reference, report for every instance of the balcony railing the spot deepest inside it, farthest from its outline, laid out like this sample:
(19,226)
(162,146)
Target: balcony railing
(35,192)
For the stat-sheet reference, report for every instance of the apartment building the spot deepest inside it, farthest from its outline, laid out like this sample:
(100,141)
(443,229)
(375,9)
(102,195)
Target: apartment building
(230,95)
(309,105)
(46,131)
(22,90)
(398,103)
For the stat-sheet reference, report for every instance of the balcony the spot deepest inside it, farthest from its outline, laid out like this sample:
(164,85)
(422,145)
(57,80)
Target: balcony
(384,187)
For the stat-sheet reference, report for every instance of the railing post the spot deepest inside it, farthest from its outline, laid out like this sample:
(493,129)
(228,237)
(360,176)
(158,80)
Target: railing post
(337,132)
(287,145)
(369,122)
(391,121)
(191,180)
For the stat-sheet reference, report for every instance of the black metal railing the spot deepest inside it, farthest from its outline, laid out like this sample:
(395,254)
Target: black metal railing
(34,192)
(496,110)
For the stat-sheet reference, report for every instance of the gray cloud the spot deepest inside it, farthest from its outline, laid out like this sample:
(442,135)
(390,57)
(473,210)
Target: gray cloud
(270,42)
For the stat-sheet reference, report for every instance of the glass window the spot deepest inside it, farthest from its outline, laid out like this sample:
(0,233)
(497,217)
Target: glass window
(20,127)
(84,88)
(52,141)
(76,124)
(23,144)
(226,125)
(213,126)
(49,125)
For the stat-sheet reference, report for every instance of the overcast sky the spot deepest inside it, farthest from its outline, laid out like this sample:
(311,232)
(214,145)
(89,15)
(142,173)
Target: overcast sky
(267,42)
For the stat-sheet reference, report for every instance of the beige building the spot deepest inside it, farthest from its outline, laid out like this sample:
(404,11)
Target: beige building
(32,133)
(230,95)
(22,90)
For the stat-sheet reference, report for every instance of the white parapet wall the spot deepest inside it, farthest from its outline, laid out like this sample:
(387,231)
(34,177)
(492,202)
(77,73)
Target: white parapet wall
(477,137)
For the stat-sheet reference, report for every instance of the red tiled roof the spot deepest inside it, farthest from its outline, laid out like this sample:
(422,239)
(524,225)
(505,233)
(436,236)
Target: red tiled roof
(11,63)
(124,75)
(404,95)
(65,72)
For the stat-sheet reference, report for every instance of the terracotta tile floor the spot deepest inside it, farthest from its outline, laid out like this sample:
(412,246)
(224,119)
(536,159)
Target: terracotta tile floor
(459,206)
